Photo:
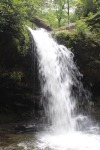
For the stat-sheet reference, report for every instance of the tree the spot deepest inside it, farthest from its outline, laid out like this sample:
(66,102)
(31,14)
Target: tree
(59,7)
(63,9)
(84,7)
(71,4)
(68,10)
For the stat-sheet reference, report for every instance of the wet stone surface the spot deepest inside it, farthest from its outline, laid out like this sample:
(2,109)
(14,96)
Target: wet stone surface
(17,141)
(17,136)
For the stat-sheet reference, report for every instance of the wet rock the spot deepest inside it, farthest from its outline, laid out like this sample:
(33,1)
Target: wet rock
(25,128)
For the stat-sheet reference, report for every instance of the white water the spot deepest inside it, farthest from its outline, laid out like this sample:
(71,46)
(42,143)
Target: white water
(58,74)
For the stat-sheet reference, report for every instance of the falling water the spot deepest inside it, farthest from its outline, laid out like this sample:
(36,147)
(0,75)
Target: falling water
(59,78)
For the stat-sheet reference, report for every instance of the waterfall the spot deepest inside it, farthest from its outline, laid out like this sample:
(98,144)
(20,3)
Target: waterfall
(58,75)
(63,94)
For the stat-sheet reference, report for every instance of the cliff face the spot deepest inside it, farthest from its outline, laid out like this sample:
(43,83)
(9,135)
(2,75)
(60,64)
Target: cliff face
(17,87)
(86,48)
(84,41)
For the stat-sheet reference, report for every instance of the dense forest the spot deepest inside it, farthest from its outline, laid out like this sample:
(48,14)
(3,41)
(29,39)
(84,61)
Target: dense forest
(74,23)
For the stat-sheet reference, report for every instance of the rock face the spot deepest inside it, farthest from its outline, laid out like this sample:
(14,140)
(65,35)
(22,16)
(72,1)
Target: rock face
(17,90)
(87,56)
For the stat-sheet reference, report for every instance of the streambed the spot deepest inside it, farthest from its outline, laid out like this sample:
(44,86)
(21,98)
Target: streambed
(18,136)
(11,141)
(31,137)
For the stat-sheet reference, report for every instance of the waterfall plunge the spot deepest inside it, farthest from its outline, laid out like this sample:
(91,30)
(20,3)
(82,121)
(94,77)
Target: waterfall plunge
(58,74)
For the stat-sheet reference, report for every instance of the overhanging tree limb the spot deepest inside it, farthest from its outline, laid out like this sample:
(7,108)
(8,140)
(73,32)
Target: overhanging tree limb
(40,23)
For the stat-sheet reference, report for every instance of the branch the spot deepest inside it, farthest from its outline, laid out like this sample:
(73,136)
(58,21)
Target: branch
(40,23)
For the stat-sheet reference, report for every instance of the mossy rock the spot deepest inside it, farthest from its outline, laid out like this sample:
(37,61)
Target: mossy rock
(86,48)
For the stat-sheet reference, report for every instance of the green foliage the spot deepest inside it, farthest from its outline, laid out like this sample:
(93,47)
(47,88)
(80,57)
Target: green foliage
(84,7)
(9,16)
(62,11)
(56,12)
(82,28)
(17,75)
(14,38)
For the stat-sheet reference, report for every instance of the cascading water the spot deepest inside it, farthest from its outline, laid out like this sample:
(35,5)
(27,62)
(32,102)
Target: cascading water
(59,75)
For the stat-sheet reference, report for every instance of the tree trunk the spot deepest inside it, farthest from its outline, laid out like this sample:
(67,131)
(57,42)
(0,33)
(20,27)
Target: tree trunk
(40,23)
(59,22)
(68,11)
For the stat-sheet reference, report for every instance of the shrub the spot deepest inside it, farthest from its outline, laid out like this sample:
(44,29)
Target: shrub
(82,28)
